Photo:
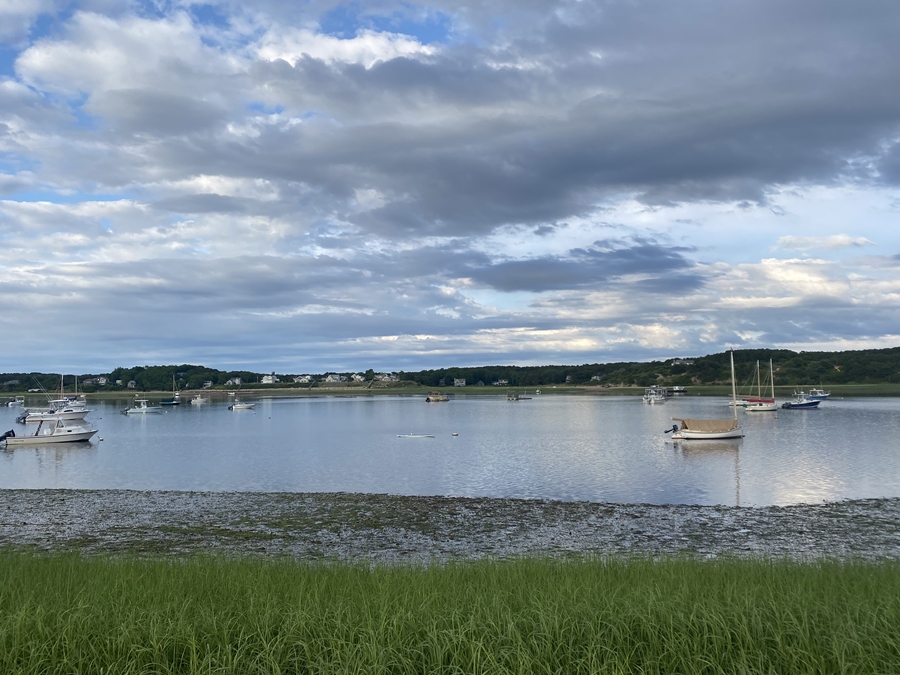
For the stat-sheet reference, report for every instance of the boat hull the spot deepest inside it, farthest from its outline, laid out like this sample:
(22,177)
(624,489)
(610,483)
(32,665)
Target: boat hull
(801,405)
(73,435)
(689,435)
(66,416)
(761,407)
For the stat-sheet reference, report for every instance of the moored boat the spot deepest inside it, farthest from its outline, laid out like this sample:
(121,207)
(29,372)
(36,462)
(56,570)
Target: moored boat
(199,400)
(800,401)
(50,432)
(763,405)
(176,396)
(655,395)
(140,407)
(818,394)
(715,429)
(436,397)
(240,405)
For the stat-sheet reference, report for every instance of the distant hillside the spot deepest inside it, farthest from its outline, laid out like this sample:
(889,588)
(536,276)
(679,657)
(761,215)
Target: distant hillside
(870,366)
(873,366)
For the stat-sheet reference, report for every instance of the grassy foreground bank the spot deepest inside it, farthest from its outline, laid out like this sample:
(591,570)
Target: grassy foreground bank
(68,614)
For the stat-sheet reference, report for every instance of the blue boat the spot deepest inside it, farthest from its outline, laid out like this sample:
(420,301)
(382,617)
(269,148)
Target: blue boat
(801,400)
(818,394)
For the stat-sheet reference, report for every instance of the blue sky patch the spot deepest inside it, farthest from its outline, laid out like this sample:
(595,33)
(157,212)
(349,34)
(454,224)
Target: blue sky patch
(209,15)
(264,109)
(7,61)
(427,27)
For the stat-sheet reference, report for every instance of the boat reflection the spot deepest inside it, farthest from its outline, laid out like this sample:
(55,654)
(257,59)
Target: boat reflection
(729,448)
(701,447)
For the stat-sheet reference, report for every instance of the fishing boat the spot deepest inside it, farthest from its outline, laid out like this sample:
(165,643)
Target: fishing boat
(655,395)
(436,397)
(762,406)
(60,409)
(801,401)
(818,394)
(71,409)
(51,432)
(15,402)
(240,405)
(199,400)
(694,429)
(140,407)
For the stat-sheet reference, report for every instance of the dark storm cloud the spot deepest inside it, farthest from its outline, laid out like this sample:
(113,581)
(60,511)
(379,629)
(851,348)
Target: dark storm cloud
(699,102)
(584,268)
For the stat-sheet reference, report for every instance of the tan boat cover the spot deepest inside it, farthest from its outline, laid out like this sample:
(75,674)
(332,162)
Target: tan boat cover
(708,426)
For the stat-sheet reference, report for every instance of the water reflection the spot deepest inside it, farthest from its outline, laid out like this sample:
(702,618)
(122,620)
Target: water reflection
(723,453)
(550,447)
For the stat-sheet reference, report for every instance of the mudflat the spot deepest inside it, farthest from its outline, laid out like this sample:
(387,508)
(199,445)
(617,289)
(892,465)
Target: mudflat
(392,528)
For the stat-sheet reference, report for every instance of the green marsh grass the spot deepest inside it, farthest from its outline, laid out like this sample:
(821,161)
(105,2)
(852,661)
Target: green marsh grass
(70,614)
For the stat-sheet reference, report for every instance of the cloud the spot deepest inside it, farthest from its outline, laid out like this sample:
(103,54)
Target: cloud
(568,180)
(832,242)
(367,48)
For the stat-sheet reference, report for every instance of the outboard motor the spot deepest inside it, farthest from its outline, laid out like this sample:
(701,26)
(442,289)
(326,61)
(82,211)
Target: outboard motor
(9,434)
(21,418)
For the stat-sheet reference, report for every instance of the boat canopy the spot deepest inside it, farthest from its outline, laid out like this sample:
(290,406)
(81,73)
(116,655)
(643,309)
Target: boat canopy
(708,426)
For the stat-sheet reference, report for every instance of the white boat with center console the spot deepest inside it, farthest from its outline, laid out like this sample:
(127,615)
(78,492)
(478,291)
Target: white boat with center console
(140,407)
(51,432)
(240,405)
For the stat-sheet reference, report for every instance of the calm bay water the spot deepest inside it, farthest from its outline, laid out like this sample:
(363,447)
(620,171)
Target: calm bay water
(556,447)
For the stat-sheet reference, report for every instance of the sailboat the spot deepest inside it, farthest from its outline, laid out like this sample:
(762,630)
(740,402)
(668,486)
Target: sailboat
(762,405)
(692,429)
(759,398)
(176,397)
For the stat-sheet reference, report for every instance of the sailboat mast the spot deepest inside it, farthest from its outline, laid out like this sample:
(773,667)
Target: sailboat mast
(758,384)
(733,389)
(772,378)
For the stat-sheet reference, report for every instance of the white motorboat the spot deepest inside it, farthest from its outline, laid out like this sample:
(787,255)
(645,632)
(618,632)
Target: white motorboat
(655,395)
(68,409)
(199,400)
(140,407)
(51,432)
(762,405)
(16,402)
(240,405)
(692,429)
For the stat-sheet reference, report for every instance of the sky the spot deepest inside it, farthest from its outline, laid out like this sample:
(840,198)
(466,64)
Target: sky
(311,186)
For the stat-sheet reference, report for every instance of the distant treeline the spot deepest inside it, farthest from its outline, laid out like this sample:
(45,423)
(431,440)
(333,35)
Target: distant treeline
(869,366)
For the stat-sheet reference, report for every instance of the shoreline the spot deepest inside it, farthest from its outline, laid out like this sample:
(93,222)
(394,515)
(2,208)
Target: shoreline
(389,529)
